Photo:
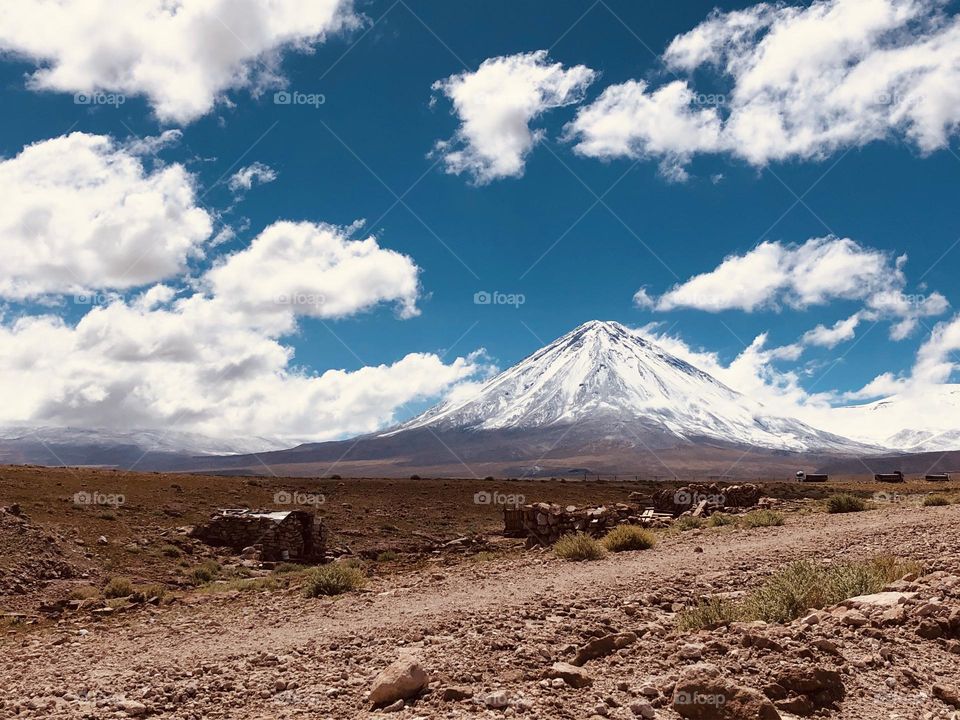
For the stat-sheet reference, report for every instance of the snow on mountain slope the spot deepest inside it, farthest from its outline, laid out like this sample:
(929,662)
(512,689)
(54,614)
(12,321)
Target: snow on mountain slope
(602,374)
(925,421)
(145,440)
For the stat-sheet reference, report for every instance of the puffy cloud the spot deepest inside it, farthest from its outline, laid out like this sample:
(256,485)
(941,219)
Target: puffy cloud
(183,55)
(774,273)
(496,104)
(829,337)
(628,121)
(246,177)
(81,211)
(313,269)
(797,82)
(197,365)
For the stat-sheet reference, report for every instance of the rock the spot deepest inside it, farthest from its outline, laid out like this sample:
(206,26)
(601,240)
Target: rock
(572,675)
(497,699)
(820,687)
(133,708)
(456,693)
(692,651)
(394,707)
(855,618)
(603,646)
(400,680)
(929,629)
(703,694)
(947,694)
(881,600)
(102,540)
(642,708)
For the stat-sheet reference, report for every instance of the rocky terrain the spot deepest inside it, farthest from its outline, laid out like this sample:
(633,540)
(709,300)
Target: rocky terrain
(486,628)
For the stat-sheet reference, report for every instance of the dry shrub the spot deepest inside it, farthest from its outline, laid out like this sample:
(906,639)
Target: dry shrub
(628,537)
(578,547)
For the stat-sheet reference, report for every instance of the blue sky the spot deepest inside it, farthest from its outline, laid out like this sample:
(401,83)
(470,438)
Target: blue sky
(542,234)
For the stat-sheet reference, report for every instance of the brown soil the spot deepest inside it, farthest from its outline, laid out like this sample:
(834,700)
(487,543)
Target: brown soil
(489,621)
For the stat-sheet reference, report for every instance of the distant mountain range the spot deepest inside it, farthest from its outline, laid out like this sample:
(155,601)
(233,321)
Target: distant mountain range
(599,399)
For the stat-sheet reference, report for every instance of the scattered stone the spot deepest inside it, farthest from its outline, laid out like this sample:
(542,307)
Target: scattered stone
(400,680)
(572,675)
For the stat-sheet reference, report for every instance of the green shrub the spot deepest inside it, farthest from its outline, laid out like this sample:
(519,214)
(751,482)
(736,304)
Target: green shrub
(935,501)
(170,551)
(288,567)
(688,522)
(711,612)
(333,579)
(761,518)
(628,537)
(118,587)
(578,547)
(207,572)
(844,503)
(721,519)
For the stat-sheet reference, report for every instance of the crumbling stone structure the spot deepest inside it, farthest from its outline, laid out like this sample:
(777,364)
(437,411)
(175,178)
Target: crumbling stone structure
(284,535)
(708,498)
(545,523)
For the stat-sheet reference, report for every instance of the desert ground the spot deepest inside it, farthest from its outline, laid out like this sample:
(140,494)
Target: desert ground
(110,610)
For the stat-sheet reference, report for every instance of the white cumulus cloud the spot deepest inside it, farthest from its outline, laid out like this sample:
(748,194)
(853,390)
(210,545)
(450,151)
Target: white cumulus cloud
(496,105)
(81,212)
(796,82)
(183,55)
(255,174)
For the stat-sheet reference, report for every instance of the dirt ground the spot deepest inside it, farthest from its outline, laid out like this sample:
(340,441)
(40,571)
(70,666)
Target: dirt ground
(487,619)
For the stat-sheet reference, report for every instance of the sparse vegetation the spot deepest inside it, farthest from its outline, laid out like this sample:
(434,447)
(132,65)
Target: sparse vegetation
(761,518)
(628,537)
(118,587)
(688,522)
(170,551)
(207,572)
(333,579)
(387,556)
(709,613)
(935,501)
(798,587)
(142,593)
(845,503)
(578,547)
(286,568)
(720,520)
(107,515)
(84,592)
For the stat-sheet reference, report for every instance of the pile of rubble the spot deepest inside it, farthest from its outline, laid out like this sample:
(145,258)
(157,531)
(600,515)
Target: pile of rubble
(30,557)
(701,500)
(544,523)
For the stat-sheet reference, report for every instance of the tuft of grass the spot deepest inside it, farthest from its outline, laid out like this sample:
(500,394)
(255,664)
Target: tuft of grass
(387,556)
(709,613)
(259,584)
(118,587)
(720,520)
(845,503)
(578,547)
(285,568)
(687,522)
(207,572)
(107,515)
(798,587)
(628,537)
(142,593)
(935,501)
(85,592)
(333,579)
(170,551)
(762,518)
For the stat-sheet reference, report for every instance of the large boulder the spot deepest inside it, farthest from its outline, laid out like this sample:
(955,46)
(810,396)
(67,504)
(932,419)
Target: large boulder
(702,693)
(400,680)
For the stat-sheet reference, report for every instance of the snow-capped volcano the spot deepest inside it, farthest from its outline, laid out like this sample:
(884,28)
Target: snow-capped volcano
(605,376)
